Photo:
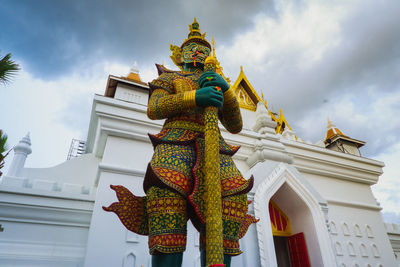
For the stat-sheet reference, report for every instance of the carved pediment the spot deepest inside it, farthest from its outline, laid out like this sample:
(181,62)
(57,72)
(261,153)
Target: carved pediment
(244,99)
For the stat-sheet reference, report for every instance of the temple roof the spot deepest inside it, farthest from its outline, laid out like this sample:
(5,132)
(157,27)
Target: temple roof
(333,134)
(134,76)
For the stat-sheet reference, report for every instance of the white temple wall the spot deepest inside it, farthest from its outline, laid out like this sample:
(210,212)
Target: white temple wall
(40,230)
(109,242)
(29,244)
(81,170)
(128,153)
(341,190)
(359,236)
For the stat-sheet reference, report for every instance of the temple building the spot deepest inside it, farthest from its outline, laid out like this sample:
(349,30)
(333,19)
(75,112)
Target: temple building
(314,201)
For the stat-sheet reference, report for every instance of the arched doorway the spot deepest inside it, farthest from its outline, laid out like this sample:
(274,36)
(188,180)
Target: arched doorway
(301,203)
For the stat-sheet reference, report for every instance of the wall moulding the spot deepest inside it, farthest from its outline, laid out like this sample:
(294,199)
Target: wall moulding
(45,215)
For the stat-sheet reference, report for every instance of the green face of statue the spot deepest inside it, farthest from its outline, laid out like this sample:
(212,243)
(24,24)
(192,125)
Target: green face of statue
(194,55)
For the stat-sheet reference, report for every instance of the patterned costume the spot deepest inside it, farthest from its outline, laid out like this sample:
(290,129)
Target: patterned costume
(174,180)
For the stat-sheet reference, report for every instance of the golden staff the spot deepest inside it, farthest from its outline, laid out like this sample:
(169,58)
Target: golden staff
(214,238)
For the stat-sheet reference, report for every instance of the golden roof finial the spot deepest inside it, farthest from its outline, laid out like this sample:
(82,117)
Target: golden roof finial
(330,124)
(332,130)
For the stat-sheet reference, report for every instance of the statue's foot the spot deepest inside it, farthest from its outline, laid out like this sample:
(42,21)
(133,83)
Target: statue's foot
(167,260)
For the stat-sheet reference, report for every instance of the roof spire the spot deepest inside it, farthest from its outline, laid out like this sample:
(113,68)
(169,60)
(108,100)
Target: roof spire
(330,124)
(134,73)
(332,130)
(336,140)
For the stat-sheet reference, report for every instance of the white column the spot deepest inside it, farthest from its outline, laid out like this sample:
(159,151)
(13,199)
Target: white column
(21,152)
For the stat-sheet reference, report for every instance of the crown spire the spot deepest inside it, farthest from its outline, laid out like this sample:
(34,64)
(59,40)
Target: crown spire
(195,35)
(194,29)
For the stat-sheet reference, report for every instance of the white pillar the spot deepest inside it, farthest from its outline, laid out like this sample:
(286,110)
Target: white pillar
(21,152)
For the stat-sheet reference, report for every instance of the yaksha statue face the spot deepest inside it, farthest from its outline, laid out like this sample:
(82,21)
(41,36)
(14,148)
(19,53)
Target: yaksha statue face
(195,53)
(190,56)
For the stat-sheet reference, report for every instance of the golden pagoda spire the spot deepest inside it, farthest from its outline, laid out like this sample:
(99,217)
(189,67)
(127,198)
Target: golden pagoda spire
(332,130)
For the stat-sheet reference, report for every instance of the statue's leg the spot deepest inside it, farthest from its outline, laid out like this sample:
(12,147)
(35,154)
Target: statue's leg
(167,215)
(167,260)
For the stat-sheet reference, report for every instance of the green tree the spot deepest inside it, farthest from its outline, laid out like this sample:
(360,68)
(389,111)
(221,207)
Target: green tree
(3,148)
(8,68)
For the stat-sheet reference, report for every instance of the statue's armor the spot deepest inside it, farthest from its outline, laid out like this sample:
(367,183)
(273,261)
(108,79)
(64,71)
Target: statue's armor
(174,180)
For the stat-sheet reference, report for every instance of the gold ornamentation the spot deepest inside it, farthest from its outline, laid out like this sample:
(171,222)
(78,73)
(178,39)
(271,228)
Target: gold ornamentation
(190,99)
(244,99)
(182,85)
(176,56)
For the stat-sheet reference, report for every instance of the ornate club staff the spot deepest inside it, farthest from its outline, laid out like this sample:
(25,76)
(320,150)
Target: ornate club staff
(214,239)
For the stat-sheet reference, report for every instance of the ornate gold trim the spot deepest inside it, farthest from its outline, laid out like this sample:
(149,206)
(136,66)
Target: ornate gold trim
(190,98)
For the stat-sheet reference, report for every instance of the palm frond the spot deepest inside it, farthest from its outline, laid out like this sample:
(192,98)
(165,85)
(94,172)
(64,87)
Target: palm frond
(2,163)
(8,68)
(3,141)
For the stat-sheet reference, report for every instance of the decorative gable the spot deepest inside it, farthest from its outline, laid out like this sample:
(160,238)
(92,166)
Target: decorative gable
(245,93)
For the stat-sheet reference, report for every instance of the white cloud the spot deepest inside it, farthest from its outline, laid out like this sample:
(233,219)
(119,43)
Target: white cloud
(387,189)
(298,36)
(56,111)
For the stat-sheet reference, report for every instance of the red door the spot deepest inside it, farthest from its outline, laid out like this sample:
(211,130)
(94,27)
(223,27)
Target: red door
(298,251)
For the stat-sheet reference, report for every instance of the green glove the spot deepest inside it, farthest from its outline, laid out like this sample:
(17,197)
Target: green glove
(211,78)
(209,96)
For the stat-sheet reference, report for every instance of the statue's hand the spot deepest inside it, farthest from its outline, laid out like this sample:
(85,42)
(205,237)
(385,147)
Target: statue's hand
(211,78)
(209,96)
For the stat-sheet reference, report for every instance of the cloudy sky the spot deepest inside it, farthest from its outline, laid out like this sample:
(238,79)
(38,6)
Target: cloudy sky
(312,59)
